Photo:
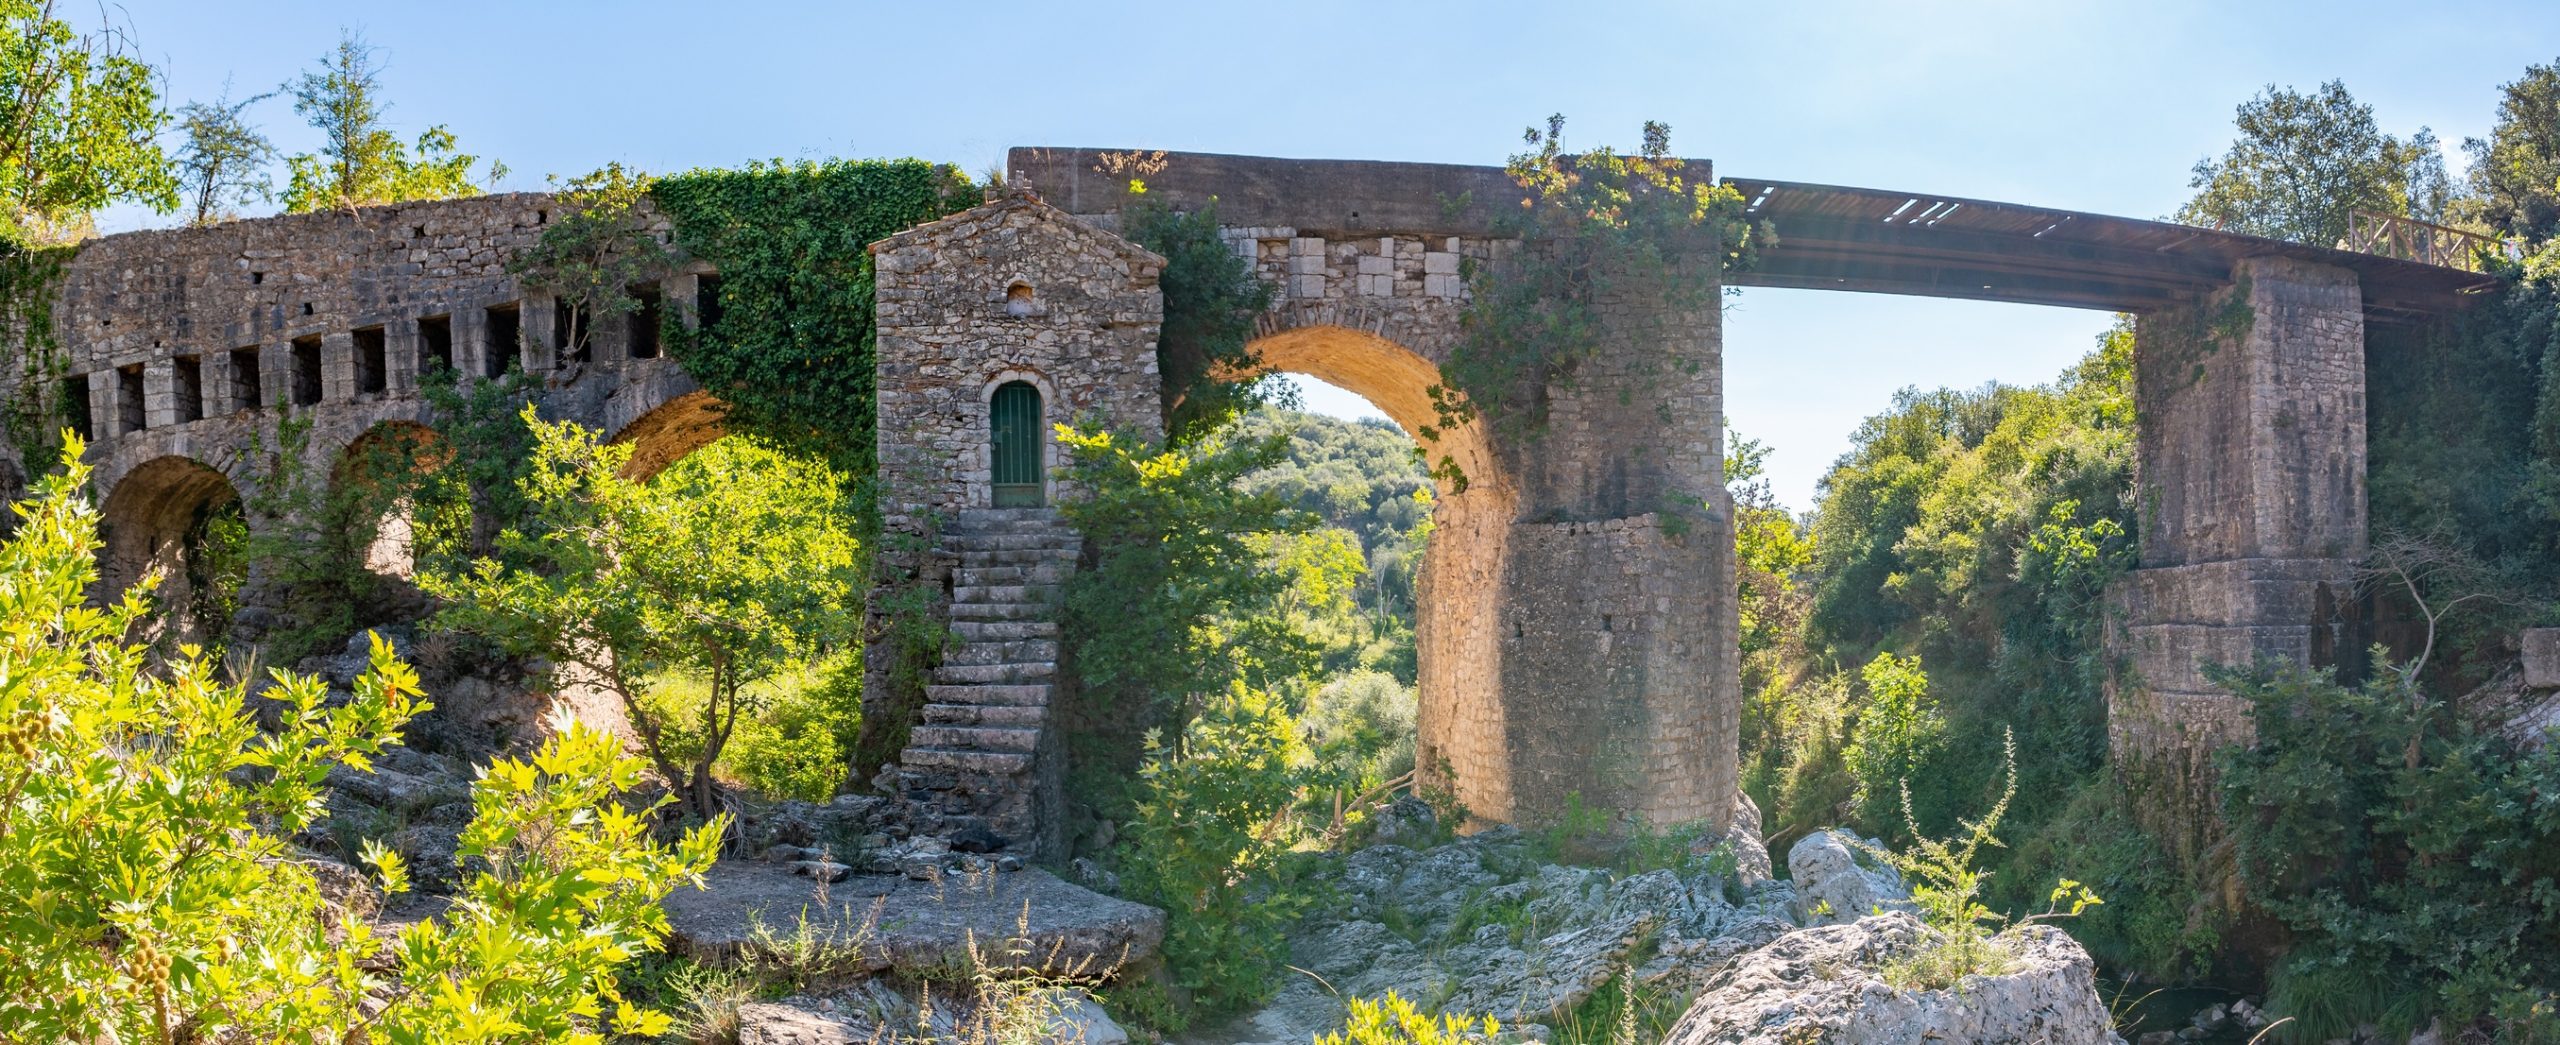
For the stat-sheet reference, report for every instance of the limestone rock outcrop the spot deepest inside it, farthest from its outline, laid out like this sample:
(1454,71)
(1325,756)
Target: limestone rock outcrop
(1825,984)
(1838,879)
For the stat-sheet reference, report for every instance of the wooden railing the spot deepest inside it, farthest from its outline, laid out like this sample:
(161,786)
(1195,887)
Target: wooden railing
(2426,243)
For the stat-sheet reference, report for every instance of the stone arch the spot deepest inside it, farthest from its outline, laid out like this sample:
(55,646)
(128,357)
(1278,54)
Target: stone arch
(154,521)
(1461,729)
(667,432)
(380,456)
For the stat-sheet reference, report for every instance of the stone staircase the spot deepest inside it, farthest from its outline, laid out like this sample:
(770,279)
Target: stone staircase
(987,706)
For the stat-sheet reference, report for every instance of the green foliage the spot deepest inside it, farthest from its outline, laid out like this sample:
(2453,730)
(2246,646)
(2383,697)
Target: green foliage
(2514,175)
(796,736)
(145,813)
(1208,844)
(1365,478)
(360,162)
(1947,887)
(39,406)
(1393,1021)
(1181,602)
(2409,851)
(78,129)
(1211,298)
(724,572)
(315,527)
(596,249)
(1896,730)
(1593,226)
(222,165)
(790,352)
(2304,161)
(1362,725)
(476,491)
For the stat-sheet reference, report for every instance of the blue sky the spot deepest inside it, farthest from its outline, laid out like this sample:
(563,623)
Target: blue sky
(2074,105)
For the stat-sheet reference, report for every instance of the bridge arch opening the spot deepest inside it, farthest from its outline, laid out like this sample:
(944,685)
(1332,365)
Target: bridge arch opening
(385,480)
(179,519)
(1460,730)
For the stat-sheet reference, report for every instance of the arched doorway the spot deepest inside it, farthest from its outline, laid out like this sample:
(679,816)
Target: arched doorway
(1017,445)
(181,520)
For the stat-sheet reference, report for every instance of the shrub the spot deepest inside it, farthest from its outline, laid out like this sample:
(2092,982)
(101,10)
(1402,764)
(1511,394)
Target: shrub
(726,569)
(1363,723)
(1896,732)
(1392,1021)
(155,900)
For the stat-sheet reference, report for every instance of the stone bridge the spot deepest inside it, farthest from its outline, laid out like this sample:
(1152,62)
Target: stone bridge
(1578,634)
(182,350)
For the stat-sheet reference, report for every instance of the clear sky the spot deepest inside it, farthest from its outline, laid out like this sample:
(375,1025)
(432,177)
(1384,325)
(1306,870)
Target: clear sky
(2097,107)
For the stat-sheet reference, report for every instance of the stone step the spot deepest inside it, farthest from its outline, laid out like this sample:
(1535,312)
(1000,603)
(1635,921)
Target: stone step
(991,763)
(978,559)
(1002,652)
(1039,594)
(1013,674)
(974,738)
(967,631)
(981,516)
(1019,717)
(1008,542)
(979,527)
(961,611)
(1036,573)
(1016,696)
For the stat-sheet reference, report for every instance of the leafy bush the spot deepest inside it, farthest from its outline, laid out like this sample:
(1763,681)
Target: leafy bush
(2407,851)
(1363,724)
(1392,1021)
(1209,844)
(156,900)
(1896,730)
(728,568)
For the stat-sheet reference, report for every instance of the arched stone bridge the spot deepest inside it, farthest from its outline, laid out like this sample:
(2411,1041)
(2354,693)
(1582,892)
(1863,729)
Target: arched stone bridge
(182,350)
(1578,632)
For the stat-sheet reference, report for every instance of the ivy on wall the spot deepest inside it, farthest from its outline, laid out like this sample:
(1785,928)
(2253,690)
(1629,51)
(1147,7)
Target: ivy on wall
(39,408)
(1592,226)
(789,342)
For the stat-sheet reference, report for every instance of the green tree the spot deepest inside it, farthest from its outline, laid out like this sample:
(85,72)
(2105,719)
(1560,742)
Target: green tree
(361,163)
(2515,172)
(597,247)
(722,575)
(79,125)
(1211,297)
(2303,162)
(223,164)
(143,818)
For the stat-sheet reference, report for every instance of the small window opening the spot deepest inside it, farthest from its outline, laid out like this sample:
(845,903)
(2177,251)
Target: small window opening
(645,321)
(506,340)
(1015,428)
(306,370)
(245,391)
(1018,301)
(706,300)
(372,376)
(542,217)
(129,399)
(417,232)
(256,278)
(189,381)
(435,344)
(75,406)
(306,308)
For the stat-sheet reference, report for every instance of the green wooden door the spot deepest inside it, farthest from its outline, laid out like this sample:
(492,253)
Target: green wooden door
(1015,421)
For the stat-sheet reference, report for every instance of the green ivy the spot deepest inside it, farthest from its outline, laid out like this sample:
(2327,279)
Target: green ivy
(1211,296)
(28,276)
(791,349)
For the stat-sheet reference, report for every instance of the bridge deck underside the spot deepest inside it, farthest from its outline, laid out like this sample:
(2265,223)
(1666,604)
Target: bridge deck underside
(1835,238)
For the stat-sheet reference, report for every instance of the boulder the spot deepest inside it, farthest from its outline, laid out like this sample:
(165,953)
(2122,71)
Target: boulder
(775,1023)
(1838,879)
(915,927)
(1826,984)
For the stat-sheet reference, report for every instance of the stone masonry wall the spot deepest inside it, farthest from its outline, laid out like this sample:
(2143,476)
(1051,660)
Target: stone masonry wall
(2251,486)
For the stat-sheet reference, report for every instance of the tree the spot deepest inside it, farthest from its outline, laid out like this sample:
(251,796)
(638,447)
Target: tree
(2515,173)
(153,897)
(363,163)
(722,576)
(223,164)
(78,125)
(2303,162)
(595,251)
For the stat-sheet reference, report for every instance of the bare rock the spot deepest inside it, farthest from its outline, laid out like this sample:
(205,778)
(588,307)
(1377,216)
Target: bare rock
(774,1023)
(906,925)
(1825,984)
(1839,880)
